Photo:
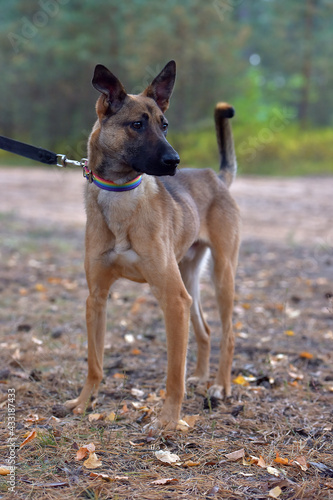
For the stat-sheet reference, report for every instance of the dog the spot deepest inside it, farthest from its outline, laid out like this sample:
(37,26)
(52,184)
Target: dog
(149,222)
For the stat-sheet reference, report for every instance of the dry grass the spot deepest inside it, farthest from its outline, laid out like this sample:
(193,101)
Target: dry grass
(286,406)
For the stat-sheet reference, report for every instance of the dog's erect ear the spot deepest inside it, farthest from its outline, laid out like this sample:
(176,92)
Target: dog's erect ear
(161,87)
(106,83)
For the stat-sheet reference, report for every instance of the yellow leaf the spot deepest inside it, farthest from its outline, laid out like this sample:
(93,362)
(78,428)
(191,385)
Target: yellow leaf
(29,438)
(92,462)
(238,325)
(111,417)
(275,492)
(119,375)
(290,333)
(246,306)
(240,380)
(40,287)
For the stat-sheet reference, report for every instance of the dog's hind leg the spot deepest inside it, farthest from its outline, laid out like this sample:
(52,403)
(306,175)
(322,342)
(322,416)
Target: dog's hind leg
(190,268)
(99,281)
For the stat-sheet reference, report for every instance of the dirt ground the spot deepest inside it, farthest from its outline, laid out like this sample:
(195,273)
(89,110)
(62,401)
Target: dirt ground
(273,439)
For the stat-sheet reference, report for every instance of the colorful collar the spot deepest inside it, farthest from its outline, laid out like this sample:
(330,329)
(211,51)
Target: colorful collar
(109,185)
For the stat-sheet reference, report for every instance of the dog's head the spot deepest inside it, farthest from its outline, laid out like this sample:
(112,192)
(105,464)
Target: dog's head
(130,133)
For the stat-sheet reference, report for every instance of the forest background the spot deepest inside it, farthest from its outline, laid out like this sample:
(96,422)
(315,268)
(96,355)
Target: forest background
(271,59)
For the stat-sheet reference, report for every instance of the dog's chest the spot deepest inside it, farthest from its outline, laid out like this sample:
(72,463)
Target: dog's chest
(118,212)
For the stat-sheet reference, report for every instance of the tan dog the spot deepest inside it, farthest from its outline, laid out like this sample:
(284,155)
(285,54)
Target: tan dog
(156,228)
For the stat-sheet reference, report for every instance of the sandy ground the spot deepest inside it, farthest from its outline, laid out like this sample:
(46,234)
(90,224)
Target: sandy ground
(282,388)
(283,210)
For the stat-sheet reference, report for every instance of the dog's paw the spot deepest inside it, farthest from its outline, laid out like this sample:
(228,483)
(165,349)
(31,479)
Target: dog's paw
(216,391)
(76,406)
(158,425)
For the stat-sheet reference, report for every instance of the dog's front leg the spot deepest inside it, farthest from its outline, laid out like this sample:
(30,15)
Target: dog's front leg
(175,303)
(99,282)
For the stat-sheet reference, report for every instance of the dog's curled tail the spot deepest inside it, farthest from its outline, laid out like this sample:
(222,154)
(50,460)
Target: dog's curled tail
(225,141)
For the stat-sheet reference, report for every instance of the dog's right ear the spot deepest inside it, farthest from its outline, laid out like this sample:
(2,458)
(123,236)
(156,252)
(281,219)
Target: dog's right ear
(106,83)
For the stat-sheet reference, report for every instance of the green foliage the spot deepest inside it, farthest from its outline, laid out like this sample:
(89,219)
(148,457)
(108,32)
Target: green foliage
(262,151)
(48,49)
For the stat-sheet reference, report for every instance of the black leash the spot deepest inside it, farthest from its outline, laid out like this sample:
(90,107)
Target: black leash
(37,154)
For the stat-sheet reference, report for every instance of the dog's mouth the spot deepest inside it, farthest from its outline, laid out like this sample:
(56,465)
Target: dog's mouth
(167,166)
(156,172)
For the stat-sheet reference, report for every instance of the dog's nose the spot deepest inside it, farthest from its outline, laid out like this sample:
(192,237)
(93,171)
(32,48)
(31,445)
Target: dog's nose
(171,161)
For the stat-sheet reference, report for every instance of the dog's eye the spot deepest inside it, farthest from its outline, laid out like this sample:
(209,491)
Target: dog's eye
(137,125)
(164,126)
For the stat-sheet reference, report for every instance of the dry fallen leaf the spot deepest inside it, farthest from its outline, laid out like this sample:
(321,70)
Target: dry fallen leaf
(138,393)
(182,426)
(191,420)
(92,462)
(302,463)
(240,380)
(275,492)
(273,471)
(190,463)
(39,287)
(4,471)
(280,460)
(235,455)
(167,457)
(119,376)
(166,480)
(96,416)
(289,333)
(33,417)
(305,355)
(261,462)
(100,476)
(29,438)
(136,352)
(111,417)
(84,450)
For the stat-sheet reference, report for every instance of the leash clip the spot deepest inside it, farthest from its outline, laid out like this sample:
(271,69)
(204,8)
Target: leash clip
(87,173)
(63,162)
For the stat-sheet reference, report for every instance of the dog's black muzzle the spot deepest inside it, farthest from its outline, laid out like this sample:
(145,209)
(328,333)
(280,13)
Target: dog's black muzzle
(170,164)
(159,163)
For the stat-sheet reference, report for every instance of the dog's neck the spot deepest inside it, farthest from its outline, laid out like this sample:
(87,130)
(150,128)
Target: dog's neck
(110,185)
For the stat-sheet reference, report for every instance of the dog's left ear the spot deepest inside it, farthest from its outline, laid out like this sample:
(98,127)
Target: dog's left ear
(161,87)
(105,82)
